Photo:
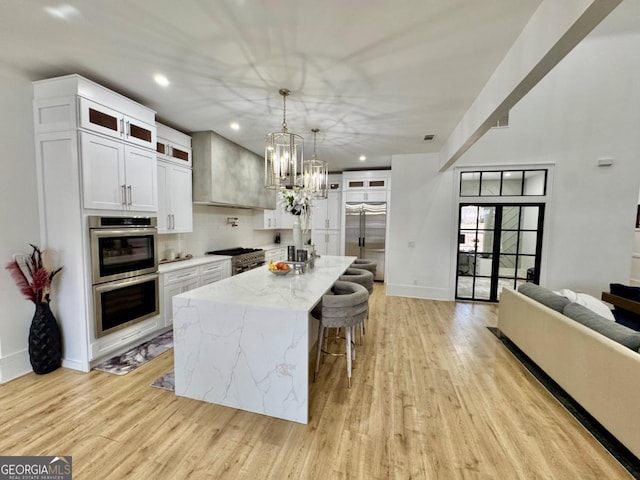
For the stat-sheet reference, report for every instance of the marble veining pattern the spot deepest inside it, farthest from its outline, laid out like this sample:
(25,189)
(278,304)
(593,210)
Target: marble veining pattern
(244,342)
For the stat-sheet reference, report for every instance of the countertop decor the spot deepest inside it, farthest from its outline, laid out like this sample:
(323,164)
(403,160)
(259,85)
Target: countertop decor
(33,275)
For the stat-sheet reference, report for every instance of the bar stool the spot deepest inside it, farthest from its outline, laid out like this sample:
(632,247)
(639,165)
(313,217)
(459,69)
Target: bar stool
(346,307)
(365,264)
(362,277)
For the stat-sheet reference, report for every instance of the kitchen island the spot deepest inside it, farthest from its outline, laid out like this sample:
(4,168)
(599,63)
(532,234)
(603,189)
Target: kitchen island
(244,341)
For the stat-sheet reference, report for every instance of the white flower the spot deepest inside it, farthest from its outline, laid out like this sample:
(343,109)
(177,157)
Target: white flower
(297,202)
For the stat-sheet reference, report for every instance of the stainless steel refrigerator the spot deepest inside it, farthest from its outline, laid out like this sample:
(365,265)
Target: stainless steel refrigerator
(365,230)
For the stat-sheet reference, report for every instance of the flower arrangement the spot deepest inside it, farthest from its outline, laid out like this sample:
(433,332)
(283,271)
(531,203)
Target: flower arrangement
(297,202)
(33,274)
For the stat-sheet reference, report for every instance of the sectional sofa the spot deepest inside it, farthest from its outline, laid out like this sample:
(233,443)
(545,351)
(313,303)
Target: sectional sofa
(594,359)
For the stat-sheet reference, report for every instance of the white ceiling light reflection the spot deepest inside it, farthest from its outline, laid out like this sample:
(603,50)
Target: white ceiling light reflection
(234,126)
(161,80)
(63,12)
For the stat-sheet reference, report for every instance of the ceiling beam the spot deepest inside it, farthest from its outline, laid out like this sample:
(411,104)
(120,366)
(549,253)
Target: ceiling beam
(553,31)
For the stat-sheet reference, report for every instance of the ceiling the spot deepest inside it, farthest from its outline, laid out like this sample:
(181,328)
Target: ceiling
(374,76)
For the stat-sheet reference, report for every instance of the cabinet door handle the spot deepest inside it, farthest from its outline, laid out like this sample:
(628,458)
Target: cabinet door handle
(129,190)
(124,194)
(128,128)
(326,223)
(173,222)
(121,126)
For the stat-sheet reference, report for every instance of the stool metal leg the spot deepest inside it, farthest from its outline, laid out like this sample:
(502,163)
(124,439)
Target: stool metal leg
(348,334)
(320,335)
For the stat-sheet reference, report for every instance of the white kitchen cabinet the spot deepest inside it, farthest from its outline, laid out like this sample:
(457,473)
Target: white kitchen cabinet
(115,124)
(174,283)
(266,219)
(327,242)
(361,196)
(326,212)
(212,272)
(175,206)
(82,166)
(184,279)
(117,176)
(278,254)
(173,146)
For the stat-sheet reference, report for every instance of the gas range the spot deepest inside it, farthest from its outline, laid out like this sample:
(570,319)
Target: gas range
(242,259)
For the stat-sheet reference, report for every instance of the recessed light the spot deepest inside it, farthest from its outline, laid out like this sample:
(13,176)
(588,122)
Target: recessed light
(234,126)
(362,158)
(63,12)
(161,80)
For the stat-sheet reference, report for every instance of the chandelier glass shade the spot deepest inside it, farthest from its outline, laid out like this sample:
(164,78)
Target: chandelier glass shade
(283,156)
(316,173)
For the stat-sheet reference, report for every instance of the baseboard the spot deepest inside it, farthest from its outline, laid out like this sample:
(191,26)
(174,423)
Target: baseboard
(416,291)
(75,365)
(14,365)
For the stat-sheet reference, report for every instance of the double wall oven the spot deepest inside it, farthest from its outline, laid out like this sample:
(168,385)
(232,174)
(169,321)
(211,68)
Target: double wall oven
(124,268)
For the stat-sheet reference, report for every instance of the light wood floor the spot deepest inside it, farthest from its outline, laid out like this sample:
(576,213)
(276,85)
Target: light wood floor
(434,396)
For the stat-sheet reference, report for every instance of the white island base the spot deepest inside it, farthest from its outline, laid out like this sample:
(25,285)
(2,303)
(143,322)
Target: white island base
(244,341)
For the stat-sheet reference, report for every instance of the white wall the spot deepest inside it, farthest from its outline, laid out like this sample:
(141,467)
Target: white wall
(421,212)
(18,217)
(585,109)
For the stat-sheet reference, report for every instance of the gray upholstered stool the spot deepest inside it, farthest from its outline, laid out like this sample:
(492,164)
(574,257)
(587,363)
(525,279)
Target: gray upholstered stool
(362,277)
(345,308)
(365,264)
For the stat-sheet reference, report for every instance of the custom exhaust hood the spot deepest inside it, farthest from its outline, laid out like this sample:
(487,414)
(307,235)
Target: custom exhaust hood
(226,174)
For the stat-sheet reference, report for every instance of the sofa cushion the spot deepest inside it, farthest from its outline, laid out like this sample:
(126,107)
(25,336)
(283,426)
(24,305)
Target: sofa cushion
(616,332)
(544,296)
(592,303)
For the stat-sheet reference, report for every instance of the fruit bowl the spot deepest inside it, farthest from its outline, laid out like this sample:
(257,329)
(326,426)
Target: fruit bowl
(280,272)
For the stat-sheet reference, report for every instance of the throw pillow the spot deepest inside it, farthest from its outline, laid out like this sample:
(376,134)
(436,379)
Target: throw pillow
(588,301)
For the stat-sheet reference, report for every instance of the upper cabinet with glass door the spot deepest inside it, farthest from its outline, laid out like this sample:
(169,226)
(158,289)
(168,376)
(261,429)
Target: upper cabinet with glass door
(173,146)
(72,101)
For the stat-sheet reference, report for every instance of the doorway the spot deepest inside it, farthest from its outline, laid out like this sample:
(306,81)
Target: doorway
(499,245)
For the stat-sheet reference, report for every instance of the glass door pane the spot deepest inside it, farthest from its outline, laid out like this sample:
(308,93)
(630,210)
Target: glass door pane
(498,246)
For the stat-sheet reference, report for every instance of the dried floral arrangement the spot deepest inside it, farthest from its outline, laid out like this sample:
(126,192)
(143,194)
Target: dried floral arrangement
(33,274)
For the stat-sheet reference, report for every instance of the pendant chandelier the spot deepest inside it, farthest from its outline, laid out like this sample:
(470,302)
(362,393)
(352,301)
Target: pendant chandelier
(283,154)
(316,173)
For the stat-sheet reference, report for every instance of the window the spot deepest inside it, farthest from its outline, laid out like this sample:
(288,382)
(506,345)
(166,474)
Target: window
(503,183)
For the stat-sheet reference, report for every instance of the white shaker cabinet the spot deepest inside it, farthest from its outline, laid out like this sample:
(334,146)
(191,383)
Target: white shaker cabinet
(175,208)
(175,195)
(327,242)
(174,283)
(110,122)
(182,280)
(116,176)
(266,219)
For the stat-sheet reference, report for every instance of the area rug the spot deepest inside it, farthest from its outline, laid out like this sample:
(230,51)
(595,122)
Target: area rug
(137,356)
(621,453)
(166,382)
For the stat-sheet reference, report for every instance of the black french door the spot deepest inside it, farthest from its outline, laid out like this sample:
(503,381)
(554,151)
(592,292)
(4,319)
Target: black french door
(499,245)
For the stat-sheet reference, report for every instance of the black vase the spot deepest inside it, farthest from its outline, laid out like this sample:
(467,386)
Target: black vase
(45,342)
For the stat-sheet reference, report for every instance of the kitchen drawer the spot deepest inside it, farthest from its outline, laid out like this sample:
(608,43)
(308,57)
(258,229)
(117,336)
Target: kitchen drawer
(179,275)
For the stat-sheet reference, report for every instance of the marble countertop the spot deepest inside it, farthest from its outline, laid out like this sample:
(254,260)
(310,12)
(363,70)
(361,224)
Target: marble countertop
(192,262)
(259,287)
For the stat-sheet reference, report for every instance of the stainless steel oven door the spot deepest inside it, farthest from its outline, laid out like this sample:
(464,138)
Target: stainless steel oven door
(121,253)
(125,302)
